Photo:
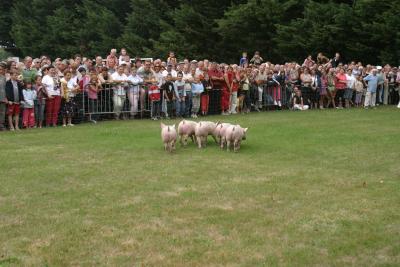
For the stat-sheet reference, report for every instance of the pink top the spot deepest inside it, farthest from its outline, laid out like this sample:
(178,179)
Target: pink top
(340,81)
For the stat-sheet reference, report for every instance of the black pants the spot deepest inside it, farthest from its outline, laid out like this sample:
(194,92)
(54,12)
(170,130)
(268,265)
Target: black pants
(215,101)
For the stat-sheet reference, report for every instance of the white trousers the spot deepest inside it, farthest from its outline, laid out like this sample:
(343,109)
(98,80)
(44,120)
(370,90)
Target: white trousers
(370,99)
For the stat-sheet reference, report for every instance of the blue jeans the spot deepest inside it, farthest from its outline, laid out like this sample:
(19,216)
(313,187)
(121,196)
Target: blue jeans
(180,108)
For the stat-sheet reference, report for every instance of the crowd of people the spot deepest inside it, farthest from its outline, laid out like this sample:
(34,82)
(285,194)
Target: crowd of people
(49,92)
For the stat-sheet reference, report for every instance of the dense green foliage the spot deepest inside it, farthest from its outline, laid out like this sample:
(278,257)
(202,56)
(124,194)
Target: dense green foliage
(366,30)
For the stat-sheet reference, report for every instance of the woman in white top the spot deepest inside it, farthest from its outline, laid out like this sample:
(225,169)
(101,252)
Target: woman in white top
(53,101)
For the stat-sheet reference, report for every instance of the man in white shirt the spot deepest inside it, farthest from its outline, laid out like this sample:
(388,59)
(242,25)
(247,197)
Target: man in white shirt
(170,70)
(119,96)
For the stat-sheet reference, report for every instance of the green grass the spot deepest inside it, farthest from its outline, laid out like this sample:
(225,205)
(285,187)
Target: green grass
(307,188)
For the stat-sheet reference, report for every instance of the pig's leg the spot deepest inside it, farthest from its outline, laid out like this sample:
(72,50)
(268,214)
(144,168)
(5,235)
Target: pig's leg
(198,141)
(235,146)
(173,145)
(228,144)
(180,139)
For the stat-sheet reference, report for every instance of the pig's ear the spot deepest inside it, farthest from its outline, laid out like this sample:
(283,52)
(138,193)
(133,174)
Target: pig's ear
(245,130)
(162,125)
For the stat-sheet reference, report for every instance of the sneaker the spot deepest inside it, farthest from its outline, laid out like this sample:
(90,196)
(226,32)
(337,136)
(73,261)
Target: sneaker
(12,129)
(398,106)
(64,125)
(70,124)
(93,121)
(279,104)
(275,103)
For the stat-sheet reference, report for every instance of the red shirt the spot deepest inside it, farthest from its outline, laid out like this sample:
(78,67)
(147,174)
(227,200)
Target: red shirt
(216,83)
(154,93)
(231,77)
(340,81)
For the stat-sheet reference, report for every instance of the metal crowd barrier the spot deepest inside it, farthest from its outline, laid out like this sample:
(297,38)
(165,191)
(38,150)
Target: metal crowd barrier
(116,101)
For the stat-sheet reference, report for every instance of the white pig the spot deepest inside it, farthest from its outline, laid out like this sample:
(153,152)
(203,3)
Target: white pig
(234,135)
(220,132)
(186,129)
(203,130)
(168,136)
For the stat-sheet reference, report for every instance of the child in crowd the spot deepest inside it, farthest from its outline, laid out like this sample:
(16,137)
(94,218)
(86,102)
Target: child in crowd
(85,78)
(171,58)
(92,88)
(244,61)
(15,97)
(168,91)
(155,97)
(40,101)
(180,95)
(298,101)
(197,90)
(28,114)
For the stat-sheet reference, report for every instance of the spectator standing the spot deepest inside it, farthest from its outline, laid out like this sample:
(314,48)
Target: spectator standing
(180,95)
(29,73)
(133,93)
(3,98)
(372,84)
(40,101)
(15,97)
(28,114)
(348,94)
(53,101)
(340,85)
(119,96)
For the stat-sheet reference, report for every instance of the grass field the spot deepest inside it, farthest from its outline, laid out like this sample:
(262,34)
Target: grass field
(306,189)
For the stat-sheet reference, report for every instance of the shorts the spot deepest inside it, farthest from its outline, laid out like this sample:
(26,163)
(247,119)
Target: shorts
(67,108)
(13,109)
(348,94)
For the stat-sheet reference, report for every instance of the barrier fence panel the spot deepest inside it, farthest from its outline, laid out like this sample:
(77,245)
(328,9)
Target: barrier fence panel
(116,101)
